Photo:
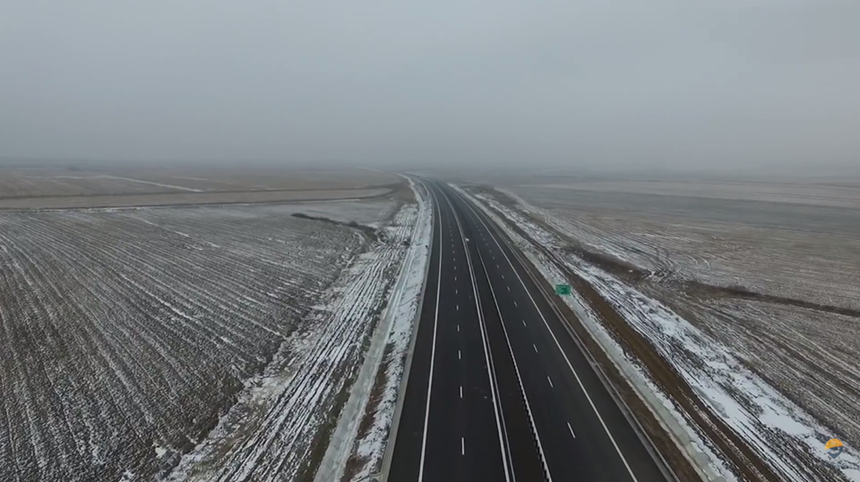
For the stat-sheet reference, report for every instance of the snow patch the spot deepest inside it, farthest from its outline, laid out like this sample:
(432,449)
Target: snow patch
(371,448)
(159,450)
(394,331)
(170,186)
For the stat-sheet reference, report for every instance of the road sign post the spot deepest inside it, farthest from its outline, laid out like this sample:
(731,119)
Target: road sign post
(562,289)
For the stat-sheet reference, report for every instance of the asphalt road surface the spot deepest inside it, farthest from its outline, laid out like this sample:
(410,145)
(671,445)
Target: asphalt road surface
(497,389)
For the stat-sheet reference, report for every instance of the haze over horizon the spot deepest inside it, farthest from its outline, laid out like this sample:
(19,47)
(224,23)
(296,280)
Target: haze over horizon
(656,84)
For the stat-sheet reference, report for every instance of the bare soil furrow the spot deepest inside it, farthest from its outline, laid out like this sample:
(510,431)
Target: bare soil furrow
(124,342)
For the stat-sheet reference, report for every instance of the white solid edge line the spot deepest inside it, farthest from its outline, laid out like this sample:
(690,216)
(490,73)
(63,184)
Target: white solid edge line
(517,371)
(558,345)
(491,371)
(432,348)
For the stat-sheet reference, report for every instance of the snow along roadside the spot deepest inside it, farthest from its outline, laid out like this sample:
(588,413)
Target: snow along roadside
(273,432)
(715,373)
(394,330)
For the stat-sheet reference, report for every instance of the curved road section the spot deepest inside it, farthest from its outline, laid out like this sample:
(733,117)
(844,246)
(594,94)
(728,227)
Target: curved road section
(497,389)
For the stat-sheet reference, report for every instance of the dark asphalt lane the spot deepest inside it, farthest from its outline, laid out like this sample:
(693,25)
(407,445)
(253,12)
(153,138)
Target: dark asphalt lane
(463,435)
(585,434)
(406,458)
(511,396)
(460,433)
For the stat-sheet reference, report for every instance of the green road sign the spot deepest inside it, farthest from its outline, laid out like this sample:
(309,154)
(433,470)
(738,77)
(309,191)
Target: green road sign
(562,289)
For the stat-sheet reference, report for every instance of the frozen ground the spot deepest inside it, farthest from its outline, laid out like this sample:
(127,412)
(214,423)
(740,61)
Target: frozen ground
(794,321)
(802,192)
(55,187)
(283,421)
(803,252)
(127,334)
(89,180)
(718,364)
(183,198)
(371,212)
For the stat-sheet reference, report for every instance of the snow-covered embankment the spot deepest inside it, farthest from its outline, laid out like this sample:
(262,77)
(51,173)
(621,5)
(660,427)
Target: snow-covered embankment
(361,435)
(281,423)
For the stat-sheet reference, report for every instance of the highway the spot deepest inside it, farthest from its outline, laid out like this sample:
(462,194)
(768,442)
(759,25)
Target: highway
(498,390)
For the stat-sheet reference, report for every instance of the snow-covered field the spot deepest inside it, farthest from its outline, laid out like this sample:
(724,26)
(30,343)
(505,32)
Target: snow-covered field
(127,334)
(93,186)
(282,422)
(800,335)
(803,252)
(799,191)
(56,182)
(717,364)
(371,212)
(88,180)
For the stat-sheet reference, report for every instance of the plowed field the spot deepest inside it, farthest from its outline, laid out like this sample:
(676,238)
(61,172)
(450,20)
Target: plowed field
(126,333)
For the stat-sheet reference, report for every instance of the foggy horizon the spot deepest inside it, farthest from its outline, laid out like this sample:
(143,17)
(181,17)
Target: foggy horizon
(627,85)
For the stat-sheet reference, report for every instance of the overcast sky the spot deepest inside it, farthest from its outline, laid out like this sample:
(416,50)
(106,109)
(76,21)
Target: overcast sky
(620,82)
